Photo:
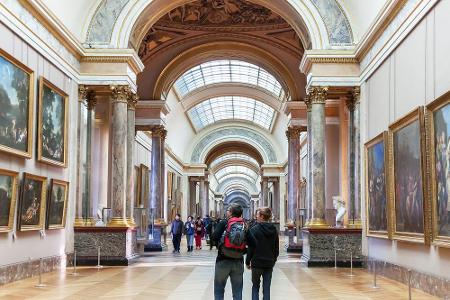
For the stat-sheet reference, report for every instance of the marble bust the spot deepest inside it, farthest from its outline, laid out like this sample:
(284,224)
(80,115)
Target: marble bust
(339,205)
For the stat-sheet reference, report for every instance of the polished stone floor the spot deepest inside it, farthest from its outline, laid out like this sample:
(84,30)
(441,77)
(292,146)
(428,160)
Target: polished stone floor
(190,276)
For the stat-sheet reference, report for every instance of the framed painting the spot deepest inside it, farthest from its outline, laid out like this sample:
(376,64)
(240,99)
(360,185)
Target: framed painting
(31,214)
(17,106)
(8,191)
(438,148)
(143,186)
(57,204)
(377,204)
(407,164)
(52,124)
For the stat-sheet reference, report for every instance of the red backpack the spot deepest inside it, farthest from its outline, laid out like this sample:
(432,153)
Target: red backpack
(233,238)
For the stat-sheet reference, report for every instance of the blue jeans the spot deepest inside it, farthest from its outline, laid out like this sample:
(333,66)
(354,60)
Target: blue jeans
(228,268)
(190,239)
(256,280)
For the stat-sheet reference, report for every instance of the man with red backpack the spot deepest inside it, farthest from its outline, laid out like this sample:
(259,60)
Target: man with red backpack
(230,235)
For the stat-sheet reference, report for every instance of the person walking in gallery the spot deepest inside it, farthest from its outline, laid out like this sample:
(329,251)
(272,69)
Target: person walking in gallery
(199,233)
(189,232)
(262,252)
(176,230)
(230,236)
(206,222)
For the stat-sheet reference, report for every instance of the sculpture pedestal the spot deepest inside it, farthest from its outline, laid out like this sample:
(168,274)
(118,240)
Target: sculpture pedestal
(118,245)
(319,247)
(157,242)
(293,247)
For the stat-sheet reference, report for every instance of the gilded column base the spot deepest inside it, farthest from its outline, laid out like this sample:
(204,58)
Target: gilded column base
(118,222)
(317,223)
(357,224)
(131,222)
(81,222)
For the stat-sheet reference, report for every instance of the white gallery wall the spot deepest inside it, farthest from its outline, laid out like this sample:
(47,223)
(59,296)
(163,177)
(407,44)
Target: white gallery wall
(415,74)
(30,245)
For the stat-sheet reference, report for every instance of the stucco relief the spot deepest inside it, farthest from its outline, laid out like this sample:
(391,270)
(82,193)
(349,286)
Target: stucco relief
(103,21)
(234,132)
(40,30)
(336,22)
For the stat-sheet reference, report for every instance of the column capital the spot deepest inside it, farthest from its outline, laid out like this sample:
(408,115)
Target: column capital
(91,99)
(158,131)
(133,99)
(294,131)
(307,101)
(82,93)
(120,93)
(318,94)
(353,100)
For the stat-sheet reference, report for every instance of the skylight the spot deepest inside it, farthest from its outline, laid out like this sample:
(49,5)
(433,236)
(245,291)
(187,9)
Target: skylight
(225,71)
(231,107)
(233,156)
(236,171)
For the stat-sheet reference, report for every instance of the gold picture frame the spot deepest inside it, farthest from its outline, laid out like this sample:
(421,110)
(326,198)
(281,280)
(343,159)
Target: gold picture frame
(5,59)
(8,193)
(408,199)
(31,212)
(57,212)
(44,155)
(376,147)
(435,117)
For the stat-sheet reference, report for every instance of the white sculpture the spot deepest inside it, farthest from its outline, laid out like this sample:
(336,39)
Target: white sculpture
(339,205)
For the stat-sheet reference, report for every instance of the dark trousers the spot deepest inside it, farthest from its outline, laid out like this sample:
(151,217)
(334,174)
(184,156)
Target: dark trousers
(228,268)
(176,240)
(266,274)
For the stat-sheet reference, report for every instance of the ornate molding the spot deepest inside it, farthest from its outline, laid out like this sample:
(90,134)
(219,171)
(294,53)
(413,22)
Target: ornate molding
(133,99)
(318,94)
(91,99)
(353,99)
(120,93)
(293,132)
(307,101)
(82,93)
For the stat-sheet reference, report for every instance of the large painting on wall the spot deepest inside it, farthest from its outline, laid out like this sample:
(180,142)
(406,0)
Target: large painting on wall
(376,187)
(31,214)
(16,103)
(406,142)
(8,189)
(57,204)
(52,128)
(438,129)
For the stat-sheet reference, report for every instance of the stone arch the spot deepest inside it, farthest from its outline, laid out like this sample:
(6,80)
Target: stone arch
(121,23)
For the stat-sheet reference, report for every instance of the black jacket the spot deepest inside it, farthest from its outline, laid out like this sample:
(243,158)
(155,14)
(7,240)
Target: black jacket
(263,246)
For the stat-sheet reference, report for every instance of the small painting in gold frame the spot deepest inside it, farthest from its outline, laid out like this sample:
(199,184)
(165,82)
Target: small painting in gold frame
(377,196)
(407,163)
(57,204)
(438,149)
(52,124)
(8,196)
(31,213)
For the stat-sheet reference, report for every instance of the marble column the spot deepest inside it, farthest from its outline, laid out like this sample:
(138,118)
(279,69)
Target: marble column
(81,134)
(276,200)
(120,96)
(265,191)
(318,96)
(163,173)
(156,172)
(131,114)
(192,196)
(206,209)
(87,200)
(293,136)
(354,172)
(309,170)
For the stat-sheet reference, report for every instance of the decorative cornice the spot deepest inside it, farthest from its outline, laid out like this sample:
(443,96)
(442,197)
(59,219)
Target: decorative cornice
(120,93)
(318,94)
(128,56)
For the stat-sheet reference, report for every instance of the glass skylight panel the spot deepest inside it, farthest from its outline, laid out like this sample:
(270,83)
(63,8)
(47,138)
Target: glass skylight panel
(233,156)
(231,107)
(223,71)
(226,172)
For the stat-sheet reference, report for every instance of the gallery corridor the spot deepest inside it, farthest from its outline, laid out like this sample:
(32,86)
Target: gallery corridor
(191,276)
